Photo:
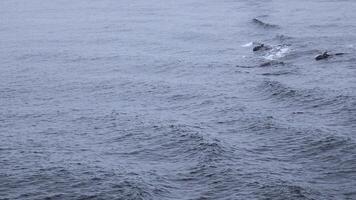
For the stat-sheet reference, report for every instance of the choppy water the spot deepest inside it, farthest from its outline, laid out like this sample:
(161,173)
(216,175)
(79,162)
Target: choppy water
(153,99)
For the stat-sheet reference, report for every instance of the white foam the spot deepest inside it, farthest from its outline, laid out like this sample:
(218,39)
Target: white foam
(277,52)
(351,46)
(248,44)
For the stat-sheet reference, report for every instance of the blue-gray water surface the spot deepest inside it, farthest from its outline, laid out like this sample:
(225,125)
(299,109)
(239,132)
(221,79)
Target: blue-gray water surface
(165,99)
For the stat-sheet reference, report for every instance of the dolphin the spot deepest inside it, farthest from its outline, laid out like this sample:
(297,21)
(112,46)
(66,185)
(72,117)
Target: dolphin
(326,55)
(261,47)
(322,56)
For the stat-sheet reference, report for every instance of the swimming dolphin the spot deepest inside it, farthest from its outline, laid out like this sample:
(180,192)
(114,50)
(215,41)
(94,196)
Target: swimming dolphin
(261,47)
(263,24)
(326,55)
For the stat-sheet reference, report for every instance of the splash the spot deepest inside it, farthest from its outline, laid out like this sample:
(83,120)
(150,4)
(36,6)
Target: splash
(277,52)
(248,44)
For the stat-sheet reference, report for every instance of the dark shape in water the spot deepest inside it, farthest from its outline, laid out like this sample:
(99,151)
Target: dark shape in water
(261,47)
(323,56)
(271,63)
(326,55)
(282,37)
(264,24)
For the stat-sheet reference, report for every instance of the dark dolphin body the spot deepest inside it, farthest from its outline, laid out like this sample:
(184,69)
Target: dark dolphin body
(323,56)
(261,47)
(326,55)
(263,24)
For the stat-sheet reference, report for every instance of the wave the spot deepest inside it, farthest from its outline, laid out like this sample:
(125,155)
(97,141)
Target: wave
(278,91)
(271,63)
(285,190)
(280,73)
(171,143)
(308,98)
(322,146)
(282,38)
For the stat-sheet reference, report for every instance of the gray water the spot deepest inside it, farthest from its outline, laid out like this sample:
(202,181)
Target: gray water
(164,99)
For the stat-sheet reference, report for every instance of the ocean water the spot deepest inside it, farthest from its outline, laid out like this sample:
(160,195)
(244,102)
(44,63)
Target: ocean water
(165,99)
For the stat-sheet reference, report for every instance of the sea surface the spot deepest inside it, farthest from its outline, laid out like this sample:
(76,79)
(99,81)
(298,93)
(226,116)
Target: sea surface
(165,100)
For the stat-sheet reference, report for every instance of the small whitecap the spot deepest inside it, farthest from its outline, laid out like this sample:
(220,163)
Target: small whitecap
(248,44)
(282,52)
(351,46)
(269,57)
(276,53)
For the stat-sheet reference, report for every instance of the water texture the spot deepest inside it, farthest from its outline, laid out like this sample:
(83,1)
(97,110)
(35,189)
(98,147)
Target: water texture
(153,99)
